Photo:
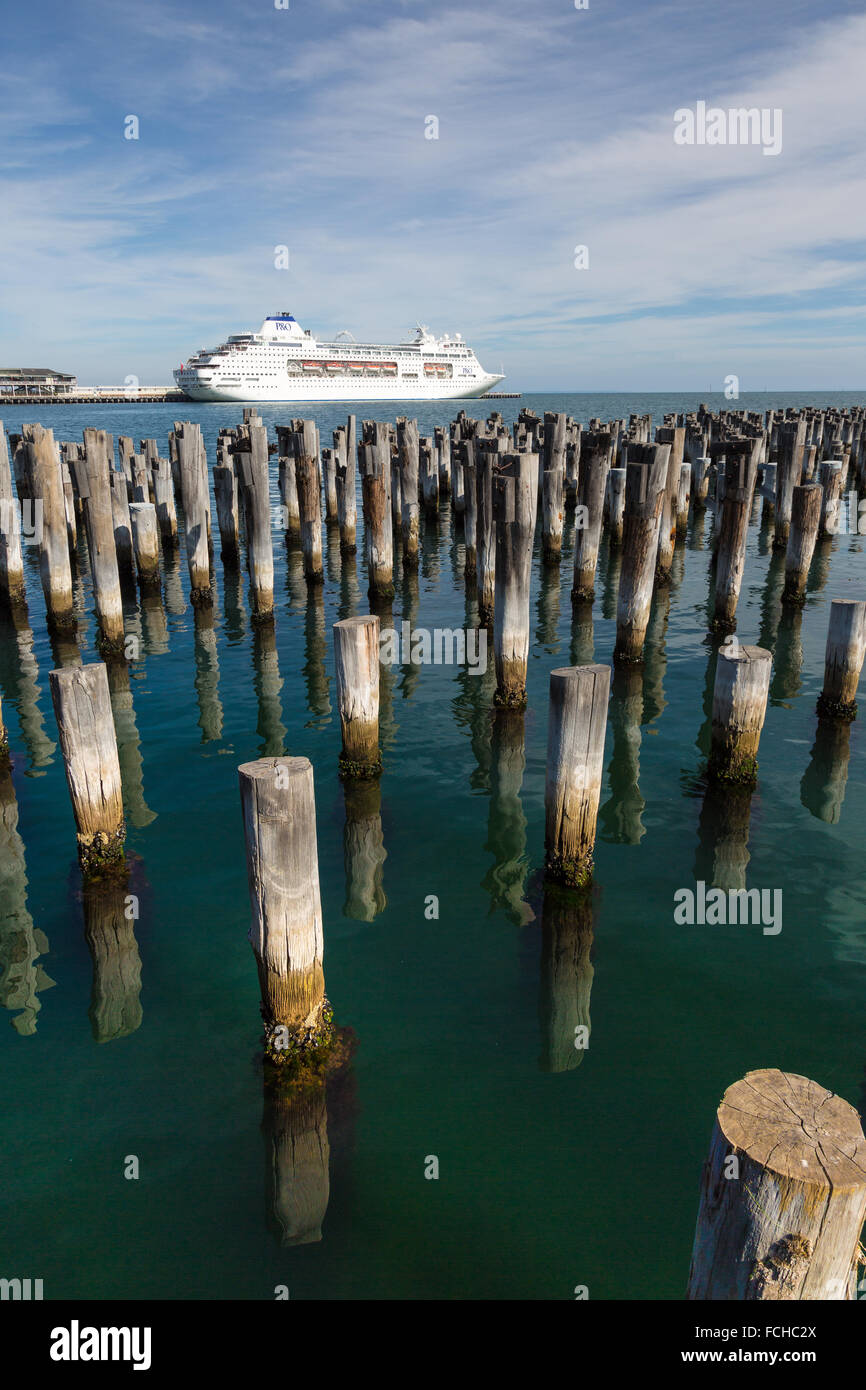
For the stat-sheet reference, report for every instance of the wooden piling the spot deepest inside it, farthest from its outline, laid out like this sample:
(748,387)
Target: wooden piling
(830,478)
(196,511)
(82,706)
(429,469)
(700,482)
(739,707)
(783,1195)
(843,659)
(683,498)
(309,500)
(740,472)
(225,484)
(42,463)
(145,536)
(802,535)
(577,720)
(123,544)
(615,504)
(515,500)
(356,654)
(591,487)
(789,466)
(485,530)
(94,489)
(378,534)
(11,560)
(257,523)
(279,811)
(646,475)
(163,496)
(408,450)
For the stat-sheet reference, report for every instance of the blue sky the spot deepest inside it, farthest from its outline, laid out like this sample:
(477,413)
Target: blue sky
(304,127)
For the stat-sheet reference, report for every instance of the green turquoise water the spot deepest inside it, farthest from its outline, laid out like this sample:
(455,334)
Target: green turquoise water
(548,1179)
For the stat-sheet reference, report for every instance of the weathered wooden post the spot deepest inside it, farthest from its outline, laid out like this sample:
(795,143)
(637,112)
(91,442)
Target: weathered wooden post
(429,468)
(740,472)
(485,530)
(577,721)
(843,659)
(309,501)
(145,535)
(802,535)
(591,486)
(356,653)
(288,485)
(792,436)
(615,504)
(700,482)
(783,1194)
(470,514)
(646,474)
(552,515)
(830,478)
(674,438)
(683,496)
(739,708)
(515,500)
(140,479)
(11,561)
(378,534)
(163,495)
(82,706)
(122,528)
(94,489)
(196,510)
(329,476)
(257,519)
(279,811)
(347,506)
(42,463)
(225,485)
(768,493)
(408,448)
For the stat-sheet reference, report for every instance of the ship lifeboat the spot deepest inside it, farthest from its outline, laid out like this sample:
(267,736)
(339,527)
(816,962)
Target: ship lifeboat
(311,366)
(333,366)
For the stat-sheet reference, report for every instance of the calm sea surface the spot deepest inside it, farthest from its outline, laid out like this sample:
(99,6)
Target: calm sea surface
(551,1174)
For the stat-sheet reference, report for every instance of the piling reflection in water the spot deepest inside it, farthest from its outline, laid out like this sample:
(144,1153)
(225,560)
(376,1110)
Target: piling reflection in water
(175,603)
(723,836)
(154,628)
(234,612)
(566,977)
(207,674)
(610,588)
(268,683)
(137,812)
(109,930)
(546,631)
(620,816)
(315,646)
(19,676)
(788,655)
(506,825)
(822,790)
(410,670)
(819,570)
(655,654)
(22,977)
(364,852)
(350,590)
(297,1154)
(582,649)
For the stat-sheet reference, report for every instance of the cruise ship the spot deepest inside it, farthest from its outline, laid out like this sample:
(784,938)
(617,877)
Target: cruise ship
(284,362)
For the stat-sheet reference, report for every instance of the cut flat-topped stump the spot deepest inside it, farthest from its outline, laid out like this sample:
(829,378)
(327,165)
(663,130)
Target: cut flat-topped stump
(783,1196)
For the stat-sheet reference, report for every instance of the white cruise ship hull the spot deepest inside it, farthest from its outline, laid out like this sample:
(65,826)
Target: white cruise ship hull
(285,363)
(324,390)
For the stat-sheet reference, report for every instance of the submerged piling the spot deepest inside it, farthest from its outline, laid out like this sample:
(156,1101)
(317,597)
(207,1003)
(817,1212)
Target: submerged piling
(739,707)
(843,659)
(279,811)
(82,706)
(577,721)
(356,653)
